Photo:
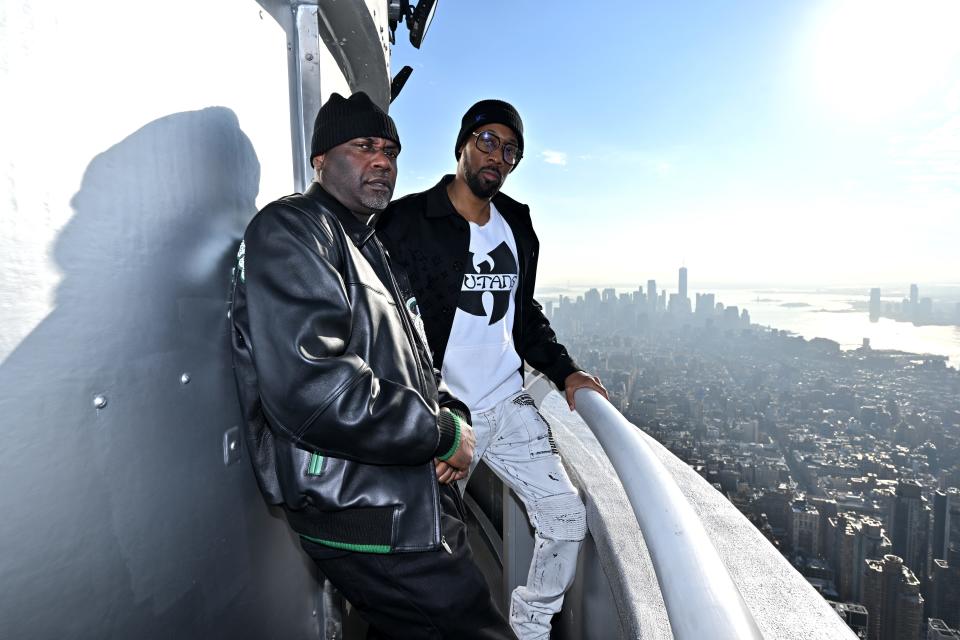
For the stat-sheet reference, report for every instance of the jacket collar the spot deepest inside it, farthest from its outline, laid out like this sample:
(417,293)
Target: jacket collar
(438,202)
(359,232)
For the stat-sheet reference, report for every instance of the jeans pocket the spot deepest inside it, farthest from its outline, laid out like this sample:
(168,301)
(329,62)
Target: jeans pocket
(536,429)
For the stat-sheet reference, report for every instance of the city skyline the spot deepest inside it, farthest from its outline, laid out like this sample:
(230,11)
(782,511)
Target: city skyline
(912,318)
(846,461)
(809,144)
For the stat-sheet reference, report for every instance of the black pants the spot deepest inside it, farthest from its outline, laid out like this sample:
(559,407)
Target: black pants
(433,594)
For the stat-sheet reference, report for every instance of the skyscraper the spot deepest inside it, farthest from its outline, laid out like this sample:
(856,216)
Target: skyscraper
(852,539)
(652,295)
(940,536)
(893,600)
(875,304)
(639,297)
(944,589)
(909,520)
(805,528)
(914,295)
(591,299)
(682,304)
(706,303)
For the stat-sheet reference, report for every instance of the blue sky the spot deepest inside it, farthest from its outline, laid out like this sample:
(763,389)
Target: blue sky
(813,143)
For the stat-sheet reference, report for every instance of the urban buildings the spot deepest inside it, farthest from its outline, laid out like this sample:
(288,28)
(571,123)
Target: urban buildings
(844,460)
(892,599)
(919,311)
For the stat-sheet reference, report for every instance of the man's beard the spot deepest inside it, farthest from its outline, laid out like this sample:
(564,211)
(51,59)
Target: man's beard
(375,201)
(480,187)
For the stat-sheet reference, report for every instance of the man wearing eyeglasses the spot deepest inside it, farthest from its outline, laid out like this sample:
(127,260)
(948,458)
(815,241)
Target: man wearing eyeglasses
(470,253)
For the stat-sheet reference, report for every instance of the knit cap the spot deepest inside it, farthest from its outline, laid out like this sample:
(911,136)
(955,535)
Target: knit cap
(341,119)
(489,112)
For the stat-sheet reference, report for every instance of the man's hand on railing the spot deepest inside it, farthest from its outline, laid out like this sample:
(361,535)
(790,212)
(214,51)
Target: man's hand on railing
(456,466)
(580,380)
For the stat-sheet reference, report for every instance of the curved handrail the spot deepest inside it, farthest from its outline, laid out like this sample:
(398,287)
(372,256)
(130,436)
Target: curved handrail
(701,598)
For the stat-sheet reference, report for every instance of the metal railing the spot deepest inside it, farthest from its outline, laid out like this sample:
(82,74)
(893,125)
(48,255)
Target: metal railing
(701,598)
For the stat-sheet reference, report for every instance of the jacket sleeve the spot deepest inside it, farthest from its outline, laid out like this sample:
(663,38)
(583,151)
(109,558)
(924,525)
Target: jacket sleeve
(540,348)
(315,392)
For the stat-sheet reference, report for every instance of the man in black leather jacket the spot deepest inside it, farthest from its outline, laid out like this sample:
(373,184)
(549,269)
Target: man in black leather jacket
(346,416)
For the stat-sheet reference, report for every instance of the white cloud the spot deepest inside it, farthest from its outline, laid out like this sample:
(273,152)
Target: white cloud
(554,157)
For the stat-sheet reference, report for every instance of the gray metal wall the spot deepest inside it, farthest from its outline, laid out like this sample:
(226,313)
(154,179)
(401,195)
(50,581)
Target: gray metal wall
(125,521)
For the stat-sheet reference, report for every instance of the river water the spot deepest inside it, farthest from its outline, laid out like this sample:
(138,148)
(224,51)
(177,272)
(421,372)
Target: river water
(823,314)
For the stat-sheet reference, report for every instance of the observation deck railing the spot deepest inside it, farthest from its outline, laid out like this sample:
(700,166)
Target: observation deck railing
(701,598)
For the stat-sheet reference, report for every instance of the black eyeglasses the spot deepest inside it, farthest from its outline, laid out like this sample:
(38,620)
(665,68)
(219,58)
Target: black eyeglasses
(488,142)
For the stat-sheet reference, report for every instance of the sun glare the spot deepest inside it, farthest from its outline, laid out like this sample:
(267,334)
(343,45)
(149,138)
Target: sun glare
(876,60)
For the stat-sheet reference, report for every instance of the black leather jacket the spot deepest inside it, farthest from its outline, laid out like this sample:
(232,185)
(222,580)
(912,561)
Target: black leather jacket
(430,241)
(339,395)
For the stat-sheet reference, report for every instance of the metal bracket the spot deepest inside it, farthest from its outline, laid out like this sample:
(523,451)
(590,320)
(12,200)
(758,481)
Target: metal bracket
(231,446)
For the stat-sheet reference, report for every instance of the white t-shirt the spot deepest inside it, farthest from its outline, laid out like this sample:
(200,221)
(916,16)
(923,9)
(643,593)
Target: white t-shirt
(481,365)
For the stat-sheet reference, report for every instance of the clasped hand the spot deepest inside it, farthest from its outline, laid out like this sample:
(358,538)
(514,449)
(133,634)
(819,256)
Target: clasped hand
(457,466)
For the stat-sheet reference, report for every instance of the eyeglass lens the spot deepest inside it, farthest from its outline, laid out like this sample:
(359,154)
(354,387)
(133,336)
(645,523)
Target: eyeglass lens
(487,141)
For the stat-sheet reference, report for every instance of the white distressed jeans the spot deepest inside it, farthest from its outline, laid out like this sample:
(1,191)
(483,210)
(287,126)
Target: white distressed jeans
(515,441)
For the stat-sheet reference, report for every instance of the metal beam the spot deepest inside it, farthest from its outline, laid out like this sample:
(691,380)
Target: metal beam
(304,88)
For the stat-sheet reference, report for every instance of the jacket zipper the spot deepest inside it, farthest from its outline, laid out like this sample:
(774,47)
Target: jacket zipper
(423,383)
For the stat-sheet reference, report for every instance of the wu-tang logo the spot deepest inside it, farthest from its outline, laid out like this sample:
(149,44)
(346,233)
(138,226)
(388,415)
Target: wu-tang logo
(494,277)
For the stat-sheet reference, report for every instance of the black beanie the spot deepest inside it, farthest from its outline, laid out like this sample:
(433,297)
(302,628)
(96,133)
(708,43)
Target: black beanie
(489,112)
(341,119)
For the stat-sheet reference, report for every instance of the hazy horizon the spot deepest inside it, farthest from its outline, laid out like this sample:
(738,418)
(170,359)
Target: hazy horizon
(671,284)
(800,144)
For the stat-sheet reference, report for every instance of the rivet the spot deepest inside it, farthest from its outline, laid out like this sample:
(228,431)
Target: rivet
(99,401)
(309,57)
(185,378)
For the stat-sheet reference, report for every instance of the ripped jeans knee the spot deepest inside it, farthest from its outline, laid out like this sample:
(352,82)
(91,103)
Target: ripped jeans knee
(560,517)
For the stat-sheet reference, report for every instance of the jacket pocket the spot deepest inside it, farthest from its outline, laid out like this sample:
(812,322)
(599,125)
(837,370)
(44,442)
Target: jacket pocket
(316,464)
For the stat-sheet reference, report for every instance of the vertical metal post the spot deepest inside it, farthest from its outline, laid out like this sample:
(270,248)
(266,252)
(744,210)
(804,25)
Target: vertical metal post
(517,544)
(331,607)
(304,88)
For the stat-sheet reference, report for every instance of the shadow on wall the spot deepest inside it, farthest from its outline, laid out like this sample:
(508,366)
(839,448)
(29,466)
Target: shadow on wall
(124,521)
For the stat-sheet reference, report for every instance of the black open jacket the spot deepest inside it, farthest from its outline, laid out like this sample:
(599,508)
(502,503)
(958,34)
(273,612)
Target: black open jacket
(431,242)
(341,402)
